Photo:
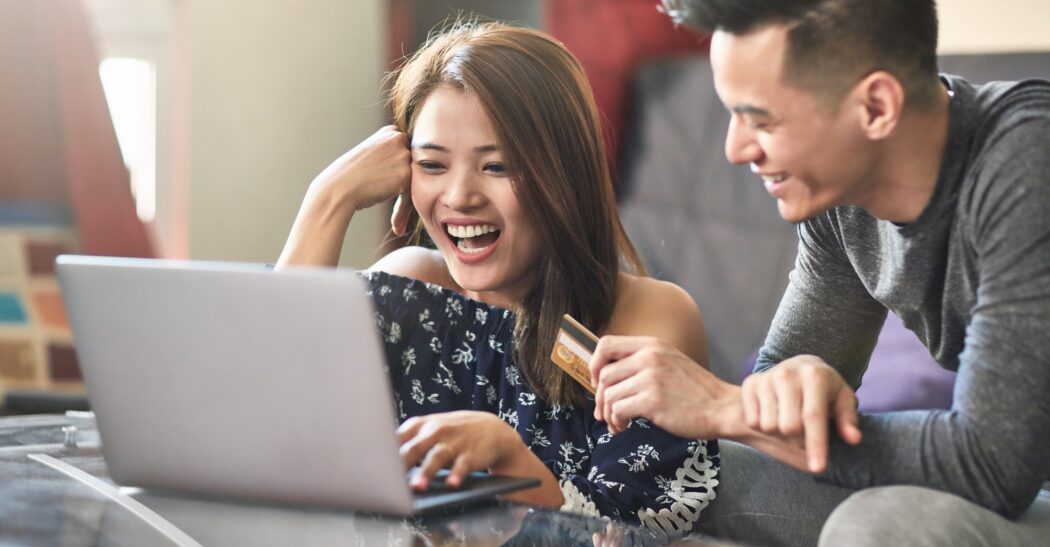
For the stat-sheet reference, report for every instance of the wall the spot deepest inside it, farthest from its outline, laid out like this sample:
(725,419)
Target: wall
(269,92)
(980,26)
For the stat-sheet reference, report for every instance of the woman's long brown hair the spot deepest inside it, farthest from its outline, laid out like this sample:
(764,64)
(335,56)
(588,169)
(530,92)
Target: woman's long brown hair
(547,127)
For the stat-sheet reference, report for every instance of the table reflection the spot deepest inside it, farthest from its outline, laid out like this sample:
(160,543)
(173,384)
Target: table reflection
(42,505)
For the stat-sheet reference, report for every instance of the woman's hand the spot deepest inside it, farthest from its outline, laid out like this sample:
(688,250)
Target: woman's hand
(463,441)
(372,172)
(469,440)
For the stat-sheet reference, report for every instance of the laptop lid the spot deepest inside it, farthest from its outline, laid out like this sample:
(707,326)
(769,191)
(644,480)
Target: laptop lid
(237,381)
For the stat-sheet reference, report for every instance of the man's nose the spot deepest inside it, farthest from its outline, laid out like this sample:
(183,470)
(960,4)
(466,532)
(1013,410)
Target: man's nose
(741,146)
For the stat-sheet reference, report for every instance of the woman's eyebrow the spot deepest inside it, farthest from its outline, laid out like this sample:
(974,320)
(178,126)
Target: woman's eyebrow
(483,149)
(430,146)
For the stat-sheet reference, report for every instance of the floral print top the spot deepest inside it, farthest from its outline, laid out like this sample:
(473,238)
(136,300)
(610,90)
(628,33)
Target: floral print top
(447,352)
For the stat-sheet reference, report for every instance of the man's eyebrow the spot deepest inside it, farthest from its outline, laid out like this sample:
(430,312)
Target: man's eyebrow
(483,149)
(750,110)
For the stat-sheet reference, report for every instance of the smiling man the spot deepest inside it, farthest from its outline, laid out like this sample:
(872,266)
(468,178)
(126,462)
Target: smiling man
(913,192)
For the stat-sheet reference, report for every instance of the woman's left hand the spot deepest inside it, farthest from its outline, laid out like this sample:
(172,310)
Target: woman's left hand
(463,441)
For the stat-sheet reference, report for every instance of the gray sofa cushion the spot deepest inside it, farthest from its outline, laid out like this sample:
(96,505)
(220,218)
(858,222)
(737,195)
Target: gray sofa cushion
(697,220)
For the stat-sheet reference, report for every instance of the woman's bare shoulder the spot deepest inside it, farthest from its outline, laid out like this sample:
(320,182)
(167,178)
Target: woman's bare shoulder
(651,307)
(418,263)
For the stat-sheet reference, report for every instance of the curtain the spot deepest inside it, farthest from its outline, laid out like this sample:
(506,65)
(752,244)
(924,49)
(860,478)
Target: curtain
(611,38)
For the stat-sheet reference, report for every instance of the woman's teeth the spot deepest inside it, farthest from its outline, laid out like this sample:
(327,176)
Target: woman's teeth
(779,177)
(470,231)
(463,237)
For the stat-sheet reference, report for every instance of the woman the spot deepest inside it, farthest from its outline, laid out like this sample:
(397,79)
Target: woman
(498,147)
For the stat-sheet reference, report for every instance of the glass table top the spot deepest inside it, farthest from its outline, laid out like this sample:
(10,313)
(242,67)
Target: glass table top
(55,490)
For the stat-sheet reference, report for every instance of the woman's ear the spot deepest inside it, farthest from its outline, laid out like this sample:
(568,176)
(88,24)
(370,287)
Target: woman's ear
(881,96)
(403,214)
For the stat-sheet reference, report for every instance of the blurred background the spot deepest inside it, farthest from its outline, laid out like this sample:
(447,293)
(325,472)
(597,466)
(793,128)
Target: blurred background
(191,129)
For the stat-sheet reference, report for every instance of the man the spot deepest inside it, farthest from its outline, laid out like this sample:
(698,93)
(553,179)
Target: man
(920,194)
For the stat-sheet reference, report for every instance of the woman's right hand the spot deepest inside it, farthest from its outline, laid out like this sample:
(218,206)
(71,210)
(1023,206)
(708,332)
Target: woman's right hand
(374,171)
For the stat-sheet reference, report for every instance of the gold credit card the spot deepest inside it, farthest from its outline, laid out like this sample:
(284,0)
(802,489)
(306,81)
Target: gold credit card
(573,349)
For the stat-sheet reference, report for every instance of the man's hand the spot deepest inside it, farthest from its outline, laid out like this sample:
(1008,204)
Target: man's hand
(796,399)
(646,377)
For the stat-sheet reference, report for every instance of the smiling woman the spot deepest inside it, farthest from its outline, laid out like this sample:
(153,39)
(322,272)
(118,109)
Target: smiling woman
(497,153)
(464,195)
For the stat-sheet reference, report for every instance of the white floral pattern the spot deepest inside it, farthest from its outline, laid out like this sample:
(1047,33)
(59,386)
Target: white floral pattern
(571,461)
(537,436)
(638,460)
(576,501)
(463,355)
(425,322)
(408,358)
(446,380)
(513,375)
(642,475)
(419,396)
(493,344)
(687,494)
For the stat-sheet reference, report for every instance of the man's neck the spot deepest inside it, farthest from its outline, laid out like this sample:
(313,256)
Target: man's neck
(910,164)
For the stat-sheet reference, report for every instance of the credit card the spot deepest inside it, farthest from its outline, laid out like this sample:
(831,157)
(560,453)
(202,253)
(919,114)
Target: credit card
(573,349)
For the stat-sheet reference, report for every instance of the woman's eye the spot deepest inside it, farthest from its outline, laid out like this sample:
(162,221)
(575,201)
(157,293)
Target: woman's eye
(495,168)
(428,165)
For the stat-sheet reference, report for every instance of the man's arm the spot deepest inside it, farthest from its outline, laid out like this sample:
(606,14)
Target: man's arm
(993,446)
(826,311)
(824,332)
(990,448)
(639,377)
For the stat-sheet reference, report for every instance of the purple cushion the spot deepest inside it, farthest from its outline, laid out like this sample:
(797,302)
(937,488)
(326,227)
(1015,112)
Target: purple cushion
(901,374)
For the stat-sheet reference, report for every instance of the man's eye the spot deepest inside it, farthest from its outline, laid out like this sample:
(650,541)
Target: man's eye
(758,125)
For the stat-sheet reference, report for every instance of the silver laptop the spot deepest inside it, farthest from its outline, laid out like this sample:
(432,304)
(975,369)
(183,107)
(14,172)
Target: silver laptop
(236,381)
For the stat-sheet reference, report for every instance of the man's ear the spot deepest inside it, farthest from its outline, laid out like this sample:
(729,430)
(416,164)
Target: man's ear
(881,97)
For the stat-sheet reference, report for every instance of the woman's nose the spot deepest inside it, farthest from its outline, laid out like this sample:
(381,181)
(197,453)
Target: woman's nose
(463,191)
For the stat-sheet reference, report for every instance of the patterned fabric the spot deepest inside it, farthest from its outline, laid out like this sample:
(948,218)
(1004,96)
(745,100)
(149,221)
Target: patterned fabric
(447,352)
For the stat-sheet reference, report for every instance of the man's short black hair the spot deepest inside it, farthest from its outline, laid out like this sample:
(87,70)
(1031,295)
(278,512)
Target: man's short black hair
(833,43)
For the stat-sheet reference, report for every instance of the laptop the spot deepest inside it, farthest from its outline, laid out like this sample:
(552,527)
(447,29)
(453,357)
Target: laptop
(236,381)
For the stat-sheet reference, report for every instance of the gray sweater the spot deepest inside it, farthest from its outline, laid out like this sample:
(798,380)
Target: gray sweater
(971,277)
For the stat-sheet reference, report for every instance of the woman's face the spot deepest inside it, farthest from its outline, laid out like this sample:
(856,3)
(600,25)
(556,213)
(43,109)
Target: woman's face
(465,196)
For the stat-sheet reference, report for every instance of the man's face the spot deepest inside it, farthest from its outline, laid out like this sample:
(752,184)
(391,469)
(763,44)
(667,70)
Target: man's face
(811,157)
